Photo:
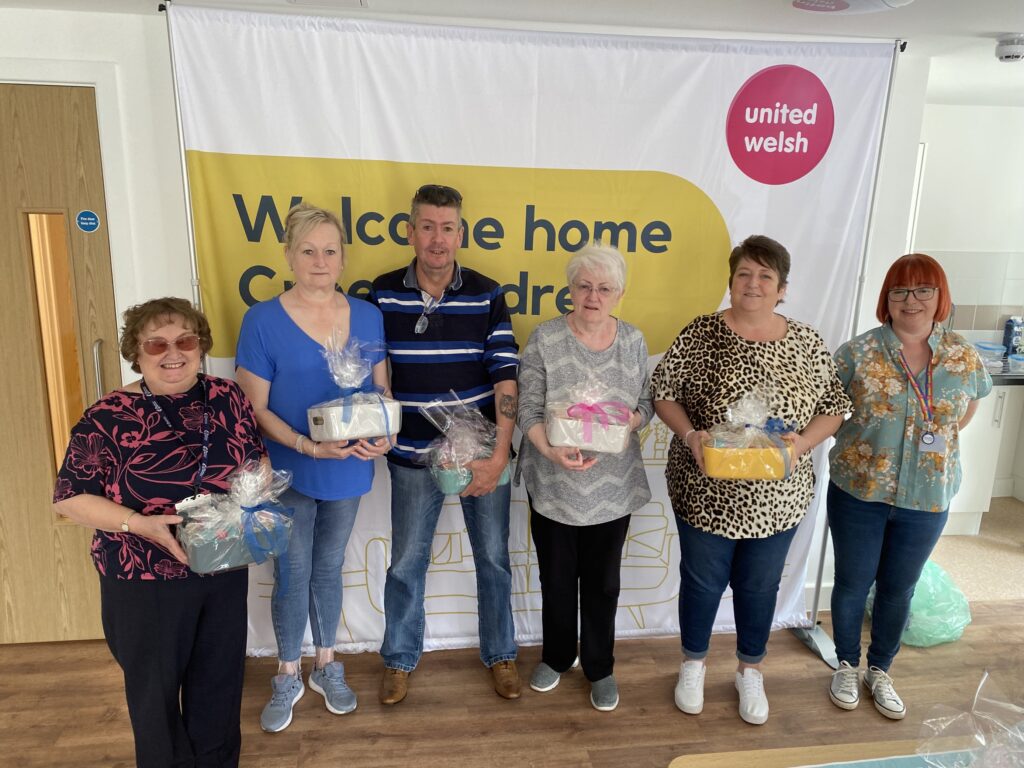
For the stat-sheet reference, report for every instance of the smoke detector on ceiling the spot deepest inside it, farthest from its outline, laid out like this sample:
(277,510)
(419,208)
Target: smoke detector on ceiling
(1010,48)
(848,6)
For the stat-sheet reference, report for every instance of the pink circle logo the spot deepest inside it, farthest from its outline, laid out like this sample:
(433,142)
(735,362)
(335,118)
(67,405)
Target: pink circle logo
(780,124)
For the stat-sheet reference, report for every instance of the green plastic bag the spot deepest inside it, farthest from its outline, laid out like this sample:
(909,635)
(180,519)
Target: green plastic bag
(939,611)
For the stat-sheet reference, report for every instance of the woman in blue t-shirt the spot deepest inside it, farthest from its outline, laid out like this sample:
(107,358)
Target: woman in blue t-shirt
(281,366)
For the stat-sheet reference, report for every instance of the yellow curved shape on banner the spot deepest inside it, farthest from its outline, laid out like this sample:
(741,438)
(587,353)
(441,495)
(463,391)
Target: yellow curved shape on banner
(521,226)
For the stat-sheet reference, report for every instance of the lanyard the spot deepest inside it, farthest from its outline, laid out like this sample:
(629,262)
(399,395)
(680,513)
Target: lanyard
(924,398)
(201,472)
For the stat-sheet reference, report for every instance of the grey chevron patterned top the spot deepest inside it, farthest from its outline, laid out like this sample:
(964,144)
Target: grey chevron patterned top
(554,360)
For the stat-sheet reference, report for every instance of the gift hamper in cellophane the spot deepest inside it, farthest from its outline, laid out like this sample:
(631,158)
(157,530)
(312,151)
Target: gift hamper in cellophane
(222,531)
(589,419)
(748,445)
(361,411)
(466,435)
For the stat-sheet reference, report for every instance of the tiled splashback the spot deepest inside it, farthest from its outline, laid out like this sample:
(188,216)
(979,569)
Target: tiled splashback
(987,287)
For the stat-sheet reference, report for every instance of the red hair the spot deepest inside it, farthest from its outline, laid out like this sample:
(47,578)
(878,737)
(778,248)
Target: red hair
(915,269)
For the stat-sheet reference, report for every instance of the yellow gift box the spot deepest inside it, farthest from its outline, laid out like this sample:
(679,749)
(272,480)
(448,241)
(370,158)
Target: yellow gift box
(769,463)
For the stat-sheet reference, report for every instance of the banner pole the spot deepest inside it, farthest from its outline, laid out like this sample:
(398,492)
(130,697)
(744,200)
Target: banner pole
(814,637)
(197,297)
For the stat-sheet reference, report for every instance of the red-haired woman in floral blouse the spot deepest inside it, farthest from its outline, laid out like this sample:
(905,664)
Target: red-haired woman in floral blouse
(895,467)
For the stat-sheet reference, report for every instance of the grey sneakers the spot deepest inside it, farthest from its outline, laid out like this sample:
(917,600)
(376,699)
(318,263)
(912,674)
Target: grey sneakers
(329,682)
(887,701)
(277,715)
(690,687)
(544,678)
(845,687)
(604,694)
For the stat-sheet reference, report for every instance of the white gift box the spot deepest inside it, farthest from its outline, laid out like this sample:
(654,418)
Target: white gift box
(363,414)
(565,430)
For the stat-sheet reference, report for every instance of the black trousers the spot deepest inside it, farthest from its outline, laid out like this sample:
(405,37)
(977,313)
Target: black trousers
(583,560)
(181,645)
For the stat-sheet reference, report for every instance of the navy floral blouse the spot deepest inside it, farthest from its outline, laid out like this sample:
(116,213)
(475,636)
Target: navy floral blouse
(122,450)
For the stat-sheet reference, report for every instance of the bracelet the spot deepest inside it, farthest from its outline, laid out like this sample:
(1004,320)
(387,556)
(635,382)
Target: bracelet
(299,437)
(315,444)
(687,437)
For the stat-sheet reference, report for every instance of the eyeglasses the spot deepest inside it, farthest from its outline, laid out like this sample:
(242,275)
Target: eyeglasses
(921,294)
(158,346)
(604,291)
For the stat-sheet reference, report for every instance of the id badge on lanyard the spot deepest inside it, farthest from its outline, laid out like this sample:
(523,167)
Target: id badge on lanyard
(930,440)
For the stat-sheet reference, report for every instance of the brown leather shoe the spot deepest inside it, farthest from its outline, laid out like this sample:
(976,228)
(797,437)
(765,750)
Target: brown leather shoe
(506,680)
(393,686)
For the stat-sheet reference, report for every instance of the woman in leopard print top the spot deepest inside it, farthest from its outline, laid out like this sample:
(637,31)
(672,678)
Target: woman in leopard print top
(738,532)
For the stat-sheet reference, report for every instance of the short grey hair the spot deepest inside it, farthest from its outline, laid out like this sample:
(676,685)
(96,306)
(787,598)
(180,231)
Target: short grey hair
(599,259)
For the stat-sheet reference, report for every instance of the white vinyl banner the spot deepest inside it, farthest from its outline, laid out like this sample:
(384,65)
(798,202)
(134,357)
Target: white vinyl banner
(671,149)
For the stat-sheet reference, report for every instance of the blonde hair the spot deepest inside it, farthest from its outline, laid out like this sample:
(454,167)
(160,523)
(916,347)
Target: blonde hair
(303,219)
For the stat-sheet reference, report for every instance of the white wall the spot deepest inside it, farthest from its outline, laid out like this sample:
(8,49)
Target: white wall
(972,201)
(125,57)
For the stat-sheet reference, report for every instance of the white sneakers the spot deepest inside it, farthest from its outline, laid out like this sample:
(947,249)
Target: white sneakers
(887,701)
(690,688)
(753,702)
(689,693)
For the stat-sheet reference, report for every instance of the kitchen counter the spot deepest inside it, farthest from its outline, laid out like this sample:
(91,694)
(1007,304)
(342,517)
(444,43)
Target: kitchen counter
(1006,378)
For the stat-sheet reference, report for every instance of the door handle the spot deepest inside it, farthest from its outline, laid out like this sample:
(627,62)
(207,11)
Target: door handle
(97,367)
(997,417)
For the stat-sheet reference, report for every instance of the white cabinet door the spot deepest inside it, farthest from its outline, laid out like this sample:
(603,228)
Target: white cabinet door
(979,456)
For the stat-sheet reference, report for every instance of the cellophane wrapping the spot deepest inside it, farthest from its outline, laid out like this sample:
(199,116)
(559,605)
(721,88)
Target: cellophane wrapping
(748,446)
(222,531)
(987,733)
(466,435)
(360,411)
(589,419)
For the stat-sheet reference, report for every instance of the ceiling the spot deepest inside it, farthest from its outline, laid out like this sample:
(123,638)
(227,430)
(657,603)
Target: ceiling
(958,36)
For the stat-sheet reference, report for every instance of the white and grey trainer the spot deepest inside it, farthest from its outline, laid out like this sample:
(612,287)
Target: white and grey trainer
(845,687)
(887,701)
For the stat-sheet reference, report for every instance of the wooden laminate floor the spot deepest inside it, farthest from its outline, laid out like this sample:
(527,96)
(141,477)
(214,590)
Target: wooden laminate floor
(62,705)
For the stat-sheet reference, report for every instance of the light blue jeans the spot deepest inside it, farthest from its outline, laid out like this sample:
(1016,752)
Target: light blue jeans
(316,553)
(415,507)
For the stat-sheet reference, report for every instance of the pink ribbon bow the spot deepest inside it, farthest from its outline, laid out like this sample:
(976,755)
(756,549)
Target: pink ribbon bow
(604,413)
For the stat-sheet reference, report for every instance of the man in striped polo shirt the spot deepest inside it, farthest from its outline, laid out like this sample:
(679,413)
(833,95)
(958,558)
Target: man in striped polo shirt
(447,328)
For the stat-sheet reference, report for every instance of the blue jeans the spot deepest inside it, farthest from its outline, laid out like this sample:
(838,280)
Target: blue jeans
(316,553)
(883,544)
(753,567)
(415,507)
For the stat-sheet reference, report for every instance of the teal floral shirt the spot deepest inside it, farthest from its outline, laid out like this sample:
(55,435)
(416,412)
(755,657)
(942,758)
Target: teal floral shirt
(878,454)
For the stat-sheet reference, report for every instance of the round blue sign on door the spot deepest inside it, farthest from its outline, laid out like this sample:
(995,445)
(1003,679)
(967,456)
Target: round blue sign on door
(87,221)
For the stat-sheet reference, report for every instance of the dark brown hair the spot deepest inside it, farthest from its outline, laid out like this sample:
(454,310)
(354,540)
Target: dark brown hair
(437,195)
(138,317)
(766,252)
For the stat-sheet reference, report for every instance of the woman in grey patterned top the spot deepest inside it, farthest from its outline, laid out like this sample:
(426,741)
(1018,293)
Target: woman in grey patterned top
(580,501)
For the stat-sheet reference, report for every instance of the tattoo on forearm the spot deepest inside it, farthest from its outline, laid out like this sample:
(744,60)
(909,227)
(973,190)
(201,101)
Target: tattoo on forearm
(508,406)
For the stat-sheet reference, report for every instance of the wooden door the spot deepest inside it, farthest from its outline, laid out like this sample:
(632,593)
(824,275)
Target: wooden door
(49,164)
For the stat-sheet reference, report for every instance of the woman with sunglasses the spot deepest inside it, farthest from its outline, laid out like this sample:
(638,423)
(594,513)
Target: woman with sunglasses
(179,638)
(281,366)
(895,467)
